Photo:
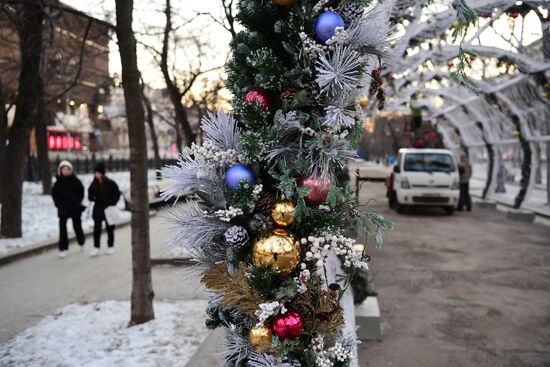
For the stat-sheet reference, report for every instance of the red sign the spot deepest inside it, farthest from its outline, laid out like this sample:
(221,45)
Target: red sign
(64,140)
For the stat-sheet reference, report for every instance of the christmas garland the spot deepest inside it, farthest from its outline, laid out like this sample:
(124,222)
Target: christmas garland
(269,211)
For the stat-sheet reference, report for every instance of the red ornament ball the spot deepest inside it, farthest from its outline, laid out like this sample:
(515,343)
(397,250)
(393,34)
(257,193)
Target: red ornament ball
(285,2)
(259,95)
(319,189)
(288,326)
(432,136)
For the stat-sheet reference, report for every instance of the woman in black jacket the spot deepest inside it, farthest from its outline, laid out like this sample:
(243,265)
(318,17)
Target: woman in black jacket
(103,192)
(67,193)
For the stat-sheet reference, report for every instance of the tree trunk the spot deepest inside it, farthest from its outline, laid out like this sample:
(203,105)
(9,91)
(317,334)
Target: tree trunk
(173,91)
(42,118)
(154,138)
(30,93)
(3,132)
(179,140)
(142,285)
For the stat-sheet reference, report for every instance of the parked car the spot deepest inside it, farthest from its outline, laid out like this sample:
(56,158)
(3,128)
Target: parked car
(424,177)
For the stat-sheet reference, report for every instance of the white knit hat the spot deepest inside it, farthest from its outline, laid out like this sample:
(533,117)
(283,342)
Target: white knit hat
(64,164)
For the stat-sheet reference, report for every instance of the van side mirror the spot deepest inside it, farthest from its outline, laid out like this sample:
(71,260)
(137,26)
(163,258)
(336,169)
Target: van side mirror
(396,169)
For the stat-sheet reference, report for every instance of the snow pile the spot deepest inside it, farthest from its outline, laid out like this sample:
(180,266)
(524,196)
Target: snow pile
(97,335)
(40,222)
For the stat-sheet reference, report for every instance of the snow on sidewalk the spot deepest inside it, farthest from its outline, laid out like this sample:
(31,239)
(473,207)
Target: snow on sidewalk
(97,335)
(40,222)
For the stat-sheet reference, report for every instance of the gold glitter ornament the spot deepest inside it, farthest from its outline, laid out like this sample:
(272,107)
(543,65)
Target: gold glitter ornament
(283,212)
(278,249)
(363,101)
(260,338)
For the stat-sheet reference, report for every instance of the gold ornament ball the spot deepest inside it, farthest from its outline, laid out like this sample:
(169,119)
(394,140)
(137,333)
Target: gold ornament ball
(278,249)
(285,2)
(283,212)
(260,338)
(363,101)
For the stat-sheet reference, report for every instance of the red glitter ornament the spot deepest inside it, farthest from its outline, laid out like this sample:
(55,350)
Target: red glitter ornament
(319,189)
(259,95)
(288,326)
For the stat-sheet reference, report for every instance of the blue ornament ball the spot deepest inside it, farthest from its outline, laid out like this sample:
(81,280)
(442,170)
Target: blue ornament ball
(238,173)
(325,25)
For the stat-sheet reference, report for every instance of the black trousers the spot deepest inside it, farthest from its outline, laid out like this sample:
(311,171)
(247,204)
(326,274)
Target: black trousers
(97,233)
(465,199)
(63,237)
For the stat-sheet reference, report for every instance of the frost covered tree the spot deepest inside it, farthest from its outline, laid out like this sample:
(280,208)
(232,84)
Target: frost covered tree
(268,218)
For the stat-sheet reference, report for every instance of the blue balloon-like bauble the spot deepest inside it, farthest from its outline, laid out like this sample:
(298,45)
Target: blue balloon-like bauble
(325,26)
(238,173)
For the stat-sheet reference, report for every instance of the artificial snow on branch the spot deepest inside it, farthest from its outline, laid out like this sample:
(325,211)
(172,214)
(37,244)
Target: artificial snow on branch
(339,71)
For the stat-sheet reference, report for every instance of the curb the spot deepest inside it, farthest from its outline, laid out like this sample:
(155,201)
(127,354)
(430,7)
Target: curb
(50,244)
(492,204)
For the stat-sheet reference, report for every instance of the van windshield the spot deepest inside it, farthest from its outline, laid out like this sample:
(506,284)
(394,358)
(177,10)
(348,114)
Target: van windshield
(429,162)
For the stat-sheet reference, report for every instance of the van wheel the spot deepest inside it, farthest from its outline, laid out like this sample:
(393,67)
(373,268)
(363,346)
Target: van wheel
(449,210)
(399,207)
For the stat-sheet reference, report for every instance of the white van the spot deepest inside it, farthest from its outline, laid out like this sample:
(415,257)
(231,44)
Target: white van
(424,177)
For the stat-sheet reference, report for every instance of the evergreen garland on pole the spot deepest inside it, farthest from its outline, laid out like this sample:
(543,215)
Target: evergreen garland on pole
(270,211)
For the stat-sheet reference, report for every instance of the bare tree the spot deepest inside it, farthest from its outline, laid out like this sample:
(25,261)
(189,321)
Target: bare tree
(227,21)
(4,108)
(180,82)
(152,130)
(29,96)
(142,285)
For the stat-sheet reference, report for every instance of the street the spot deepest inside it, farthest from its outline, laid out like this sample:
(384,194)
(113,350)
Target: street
(471,289)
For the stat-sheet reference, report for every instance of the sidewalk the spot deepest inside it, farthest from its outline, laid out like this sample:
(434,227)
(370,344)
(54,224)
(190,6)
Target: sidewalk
(39,285)
(536,202)
(39,215)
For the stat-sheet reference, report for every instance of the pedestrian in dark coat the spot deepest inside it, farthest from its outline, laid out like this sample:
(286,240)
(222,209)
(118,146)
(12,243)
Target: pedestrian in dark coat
(67,193)
(103,192)
(465,173)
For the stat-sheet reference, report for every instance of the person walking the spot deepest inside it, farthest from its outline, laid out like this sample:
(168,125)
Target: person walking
(67,194)
(103,192)
(465,173)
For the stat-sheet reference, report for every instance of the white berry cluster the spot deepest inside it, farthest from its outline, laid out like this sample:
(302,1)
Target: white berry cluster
(303,278)
(320,5)
(340,36)
(307,131)
(256,191)
(268,310)
(215,156)
(310,47)
(326,358)
(226,215)
(321,247)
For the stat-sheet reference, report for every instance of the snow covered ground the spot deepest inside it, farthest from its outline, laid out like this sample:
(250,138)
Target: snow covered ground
(97,335)
(40,222)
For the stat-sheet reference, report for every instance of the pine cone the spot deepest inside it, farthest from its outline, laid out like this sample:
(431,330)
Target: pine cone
(288,95)
(351,11)
(236,236)
(265,204)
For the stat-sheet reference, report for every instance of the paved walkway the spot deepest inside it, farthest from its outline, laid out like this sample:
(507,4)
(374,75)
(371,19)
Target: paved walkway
(36,286)
(471,289)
